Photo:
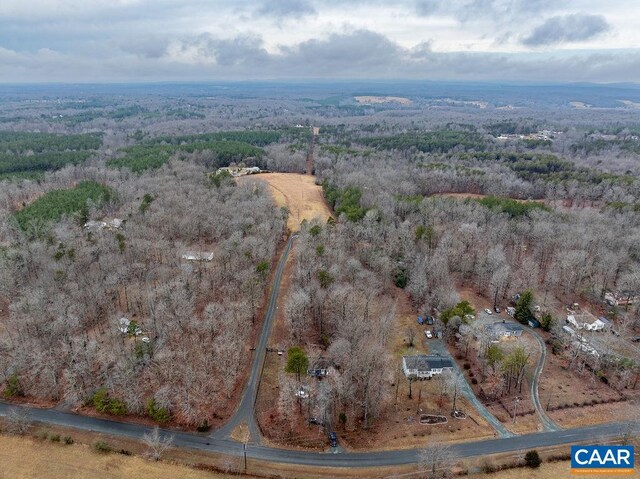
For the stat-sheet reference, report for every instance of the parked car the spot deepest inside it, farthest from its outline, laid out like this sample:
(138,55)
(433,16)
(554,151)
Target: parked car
(487,310)
(315,420)
(497,309)
(428,334)
(420,320)
(333,439)
(429,320)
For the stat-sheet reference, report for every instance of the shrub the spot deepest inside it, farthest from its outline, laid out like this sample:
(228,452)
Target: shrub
(532,459)
(203,426)
(125,452)
(467,366)
(157,413)
(54,438)
(474,381)
(488,468)
(102,447)
(68,440)
(13,387)
(117,407)
(105,404)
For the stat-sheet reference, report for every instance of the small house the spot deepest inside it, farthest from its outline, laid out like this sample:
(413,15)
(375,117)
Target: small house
(587,321)
(623,298)
(115,224)
(194,256)
(502,329)
(425,366)
(95,225)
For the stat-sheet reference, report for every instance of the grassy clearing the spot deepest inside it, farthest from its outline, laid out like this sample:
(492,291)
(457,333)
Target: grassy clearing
(26,458)
(298,193)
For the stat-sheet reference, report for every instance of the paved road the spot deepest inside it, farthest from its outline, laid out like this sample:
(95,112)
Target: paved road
(219,441)
(594,434)
(547,422)
(437,346)
(245,411)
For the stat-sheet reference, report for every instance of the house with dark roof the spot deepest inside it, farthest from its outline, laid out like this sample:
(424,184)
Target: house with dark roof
(502,329)
(425,366)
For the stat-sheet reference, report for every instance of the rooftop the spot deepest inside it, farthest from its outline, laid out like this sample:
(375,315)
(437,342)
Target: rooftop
(499,326)
(425,362)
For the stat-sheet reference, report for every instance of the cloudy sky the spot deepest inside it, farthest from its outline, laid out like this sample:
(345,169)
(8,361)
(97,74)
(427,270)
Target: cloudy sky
(169,40)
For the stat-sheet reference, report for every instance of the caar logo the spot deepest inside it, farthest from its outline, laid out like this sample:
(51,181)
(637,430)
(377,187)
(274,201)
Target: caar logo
(602,459)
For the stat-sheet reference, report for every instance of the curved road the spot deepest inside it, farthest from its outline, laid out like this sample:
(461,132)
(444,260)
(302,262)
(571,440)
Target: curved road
(437,346)
(219,441)
(547,422)
(594,434)
(245,412)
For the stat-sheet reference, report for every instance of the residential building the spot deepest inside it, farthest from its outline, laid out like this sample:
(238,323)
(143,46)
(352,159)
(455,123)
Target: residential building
(502,329)
(425,366)
(587,321)
(195,256)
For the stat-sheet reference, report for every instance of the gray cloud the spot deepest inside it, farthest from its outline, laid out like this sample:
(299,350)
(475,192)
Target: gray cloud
(502,11)
(426,8)
(567,28)
(360,54)
(286,8)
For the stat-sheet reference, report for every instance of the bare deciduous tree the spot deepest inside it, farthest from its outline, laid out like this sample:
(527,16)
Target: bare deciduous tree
(436,458)
(157,444)
(17,421)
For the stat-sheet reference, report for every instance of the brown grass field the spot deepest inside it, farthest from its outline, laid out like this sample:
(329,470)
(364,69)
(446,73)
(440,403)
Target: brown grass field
(555,470)
(26,458)
(297,192)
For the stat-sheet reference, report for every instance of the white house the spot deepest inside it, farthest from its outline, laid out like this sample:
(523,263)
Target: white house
(425,366)
(586,321)
(123,325)
(114,224)
(195,256)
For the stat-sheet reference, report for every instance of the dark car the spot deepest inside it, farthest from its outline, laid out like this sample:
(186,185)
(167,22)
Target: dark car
(333,439)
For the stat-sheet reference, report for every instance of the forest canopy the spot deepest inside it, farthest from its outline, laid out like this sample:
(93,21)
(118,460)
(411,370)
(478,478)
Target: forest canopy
(52,206)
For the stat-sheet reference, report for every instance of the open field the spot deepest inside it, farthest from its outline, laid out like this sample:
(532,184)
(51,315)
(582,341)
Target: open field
(554,470)
(297,192)
(27,458)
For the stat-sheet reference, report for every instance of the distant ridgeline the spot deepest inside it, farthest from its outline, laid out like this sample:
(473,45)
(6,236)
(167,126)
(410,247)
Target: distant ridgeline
(478,149)
(227,146)
(29,155)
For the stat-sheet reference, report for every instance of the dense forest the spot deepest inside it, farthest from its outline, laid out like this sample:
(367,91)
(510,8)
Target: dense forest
(427,201)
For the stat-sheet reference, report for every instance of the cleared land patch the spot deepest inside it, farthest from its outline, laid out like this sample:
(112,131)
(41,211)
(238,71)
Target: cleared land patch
(297,192)
(370,100)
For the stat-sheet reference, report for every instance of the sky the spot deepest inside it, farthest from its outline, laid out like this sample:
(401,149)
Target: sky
(208,40)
